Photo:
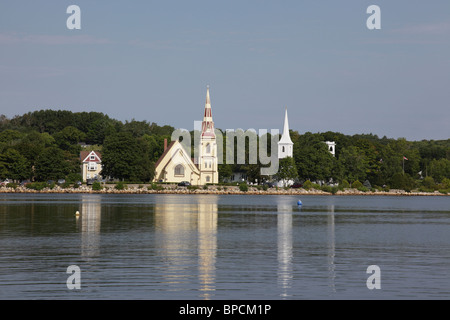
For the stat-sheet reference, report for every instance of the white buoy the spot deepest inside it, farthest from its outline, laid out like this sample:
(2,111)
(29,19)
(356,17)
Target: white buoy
(77,213)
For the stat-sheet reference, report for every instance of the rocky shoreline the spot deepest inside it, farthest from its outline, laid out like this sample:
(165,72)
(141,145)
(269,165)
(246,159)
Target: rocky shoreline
(230,190)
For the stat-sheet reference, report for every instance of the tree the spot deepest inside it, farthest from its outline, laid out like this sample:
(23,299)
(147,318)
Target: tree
(14,166)
(312,158)
(127,158)
(68,138)
(287,170)
(439,169)
(51,165)
(353,164)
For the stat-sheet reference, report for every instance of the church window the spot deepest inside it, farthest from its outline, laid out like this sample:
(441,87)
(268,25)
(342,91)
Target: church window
(208,179)
(283,149)
(179,170)
(208,148)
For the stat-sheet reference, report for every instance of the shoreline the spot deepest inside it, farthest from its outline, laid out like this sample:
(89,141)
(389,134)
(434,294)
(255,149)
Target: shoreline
(231,190)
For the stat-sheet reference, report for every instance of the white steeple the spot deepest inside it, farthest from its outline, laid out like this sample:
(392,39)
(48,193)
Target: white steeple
(285,144)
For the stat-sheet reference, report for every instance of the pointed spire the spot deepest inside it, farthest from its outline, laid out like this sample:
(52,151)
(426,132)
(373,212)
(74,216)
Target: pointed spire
(208,100)
(207,124)
(286,138)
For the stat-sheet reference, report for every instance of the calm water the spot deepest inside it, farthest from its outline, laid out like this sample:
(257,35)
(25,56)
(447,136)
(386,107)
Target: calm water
(223,247)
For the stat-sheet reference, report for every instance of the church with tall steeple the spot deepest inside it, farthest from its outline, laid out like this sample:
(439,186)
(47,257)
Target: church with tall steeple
(176,165)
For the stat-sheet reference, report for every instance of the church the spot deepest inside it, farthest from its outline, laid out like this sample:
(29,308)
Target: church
(176,165)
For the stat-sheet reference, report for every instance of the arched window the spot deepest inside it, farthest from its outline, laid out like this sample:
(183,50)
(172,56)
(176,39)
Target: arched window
(179,170)
(208,179)
(283,148)
(208,148)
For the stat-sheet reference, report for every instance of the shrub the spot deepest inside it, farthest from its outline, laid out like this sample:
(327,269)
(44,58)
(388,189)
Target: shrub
(445,183)
(121,186)
(428,183)
(265,187)
(96,186)
(11,185)
(36,185)
(344,184)
(402,181)
(357,184)
(155,186)
(243,187)
(307,185)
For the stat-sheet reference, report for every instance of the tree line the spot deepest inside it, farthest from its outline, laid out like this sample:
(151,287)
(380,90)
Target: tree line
(46,144)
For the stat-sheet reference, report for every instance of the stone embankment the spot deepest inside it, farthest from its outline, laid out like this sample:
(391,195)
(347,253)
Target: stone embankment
(173,189)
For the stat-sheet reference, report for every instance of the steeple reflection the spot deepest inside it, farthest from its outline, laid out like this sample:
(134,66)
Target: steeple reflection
(284,222)
(187,236)
(331,248)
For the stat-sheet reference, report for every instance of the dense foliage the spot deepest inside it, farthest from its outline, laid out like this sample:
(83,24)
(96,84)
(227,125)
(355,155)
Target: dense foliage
(45,145)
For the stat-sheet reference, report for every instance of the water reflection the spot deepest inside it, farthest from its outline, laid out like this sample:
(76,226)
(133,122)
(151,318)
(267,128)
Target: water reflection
(187,237)
(284,222)
(331,249)
(90,217)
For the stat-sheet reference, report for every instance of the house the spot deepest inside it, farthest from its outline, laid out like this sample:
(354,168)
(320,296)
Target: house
(91,164)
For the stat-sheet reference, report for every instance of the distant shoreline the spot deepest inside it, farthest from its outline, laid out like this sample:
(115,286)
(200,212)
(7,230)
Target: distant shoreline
(230,190)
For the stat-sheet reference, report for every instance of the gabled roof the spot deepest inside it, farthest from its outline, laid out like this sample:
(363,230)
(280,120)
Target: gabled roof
(85,156)
(172,149)
(164,153)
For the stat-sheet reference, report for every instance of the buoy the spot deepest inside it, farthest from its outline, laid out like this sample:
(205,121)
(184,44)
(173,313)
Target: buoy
(299,202)
(77,213)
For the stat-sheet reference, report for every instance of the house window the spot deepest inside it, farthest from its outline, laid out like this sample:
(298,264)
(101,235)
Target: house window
(92,158)
(179,170)
(92,166)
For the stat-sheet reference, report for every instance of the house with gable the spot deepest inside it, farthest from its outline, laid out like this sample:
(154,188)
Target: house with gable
(91,164)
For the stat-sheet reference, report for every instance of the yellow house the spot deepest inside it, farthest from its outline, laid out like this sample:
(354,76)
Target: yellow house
(91,164)
(175,165)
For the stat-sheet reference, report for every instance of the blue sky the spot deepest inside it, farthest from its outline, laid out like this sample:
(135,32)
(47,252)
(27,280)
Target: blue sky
(152,60)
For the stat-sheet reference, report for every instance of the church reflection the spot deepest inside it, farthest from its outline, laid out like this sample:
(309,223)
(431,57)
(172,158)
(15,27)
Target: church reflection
(187,236)
(285,254)
(90,217)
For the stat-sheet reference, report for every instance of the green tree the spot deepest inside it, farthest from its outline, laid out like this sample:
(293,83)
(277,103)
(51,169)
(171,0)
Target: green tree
(439,169)
(14,166)
(128,158)
(312,158)
(51,165)
(68,139)
(353,164)
(287,169)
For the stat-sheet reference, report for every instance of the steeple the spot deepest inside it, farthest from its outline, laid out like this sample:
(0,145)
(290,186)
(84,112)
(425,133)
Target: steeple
(207,162)
(285,144)
(207,124)
(285,137)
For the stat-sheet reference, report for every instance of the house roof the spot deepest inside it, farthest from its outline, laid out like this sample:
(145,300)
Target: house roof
(85,154)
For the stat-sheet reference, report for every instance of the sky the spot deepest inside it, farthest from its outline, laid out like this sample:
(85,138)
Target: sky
(152,61)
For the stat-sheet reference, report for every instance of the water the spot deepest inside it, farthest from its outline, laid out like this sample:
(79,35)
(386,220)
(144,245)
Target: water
(223,247)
